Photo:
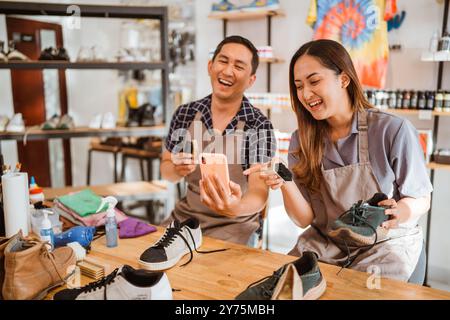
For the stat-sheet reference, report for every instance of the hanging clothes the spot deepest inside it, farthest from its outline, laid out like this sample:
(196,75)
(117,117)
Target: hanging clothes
(360,26)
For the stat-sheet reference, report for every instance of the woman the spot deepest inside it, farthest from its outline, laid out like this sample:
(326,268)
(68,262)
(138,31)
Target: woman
(345,151)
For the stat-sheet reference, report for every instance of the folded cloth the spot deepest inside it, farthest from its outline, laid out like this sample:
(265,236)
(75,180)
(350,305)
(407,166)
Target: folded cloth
(83,203)
(132,228)
(93,220)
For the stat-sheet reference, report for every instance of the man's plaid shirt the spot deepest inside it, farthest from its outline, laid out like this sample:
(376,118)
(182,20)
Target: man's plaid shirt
(260,141)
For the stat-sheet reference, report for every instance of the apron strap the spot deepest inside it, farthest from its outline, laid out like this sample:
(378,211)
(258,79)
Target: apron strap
(363,140)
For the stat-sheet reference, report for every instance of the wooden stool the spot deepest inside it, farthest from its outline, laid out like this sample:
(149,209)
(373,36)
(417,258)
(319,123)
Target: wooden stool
(142,155)
(97,146)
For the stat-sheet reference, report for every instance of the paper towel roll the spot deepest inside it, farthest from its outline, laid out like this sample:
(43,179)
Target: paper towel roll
(16,201)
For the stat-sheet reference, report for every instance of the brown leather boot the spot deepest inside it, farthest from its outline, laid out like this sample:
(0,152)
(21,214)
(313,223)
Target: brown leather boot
(31,270)
(3,243)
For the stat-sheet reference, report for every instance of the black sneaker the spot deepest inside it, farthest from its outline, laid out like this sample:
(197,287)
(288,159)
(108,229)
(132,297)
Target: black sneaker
(61,54)
(147,115)
(178,240)
(298,280)
(47,54)
(125,283)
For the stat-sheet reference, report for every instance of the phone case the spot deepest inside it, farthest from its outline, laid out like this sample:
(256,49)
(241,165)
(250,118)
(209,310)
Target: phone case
(215,163)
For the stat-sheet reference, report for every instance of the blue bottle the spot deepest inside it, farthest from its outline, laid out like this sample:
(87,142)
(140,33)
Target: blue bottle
(82,235)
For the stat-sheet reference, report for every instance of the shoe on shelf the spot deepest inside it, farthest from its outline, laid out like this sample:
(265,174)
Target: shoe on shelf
(47,54)
(124,283)
(124,55)
(361,224)
(51,124)
(223,6)
(108,121)
(16,124)
(147,115)
(256,5)
(134,117)
(31,270)
(61,55)
(3,57)
(178,240)
(15,55)
(298,280)
(96,122)
(66,123)
(3,123)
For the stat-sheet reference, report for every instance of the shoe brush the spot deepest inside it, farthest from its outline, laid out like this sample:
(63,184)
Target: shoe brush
(91,269)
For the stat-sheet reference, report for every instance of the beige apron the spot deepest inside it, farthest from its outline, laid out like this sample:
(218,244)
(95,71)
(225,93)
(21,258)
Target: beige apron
(395,256)
(237,229)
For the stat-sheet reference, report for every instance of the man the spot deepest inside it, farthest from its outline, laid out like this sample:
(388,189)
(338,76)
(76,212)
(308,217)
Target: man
(227,123)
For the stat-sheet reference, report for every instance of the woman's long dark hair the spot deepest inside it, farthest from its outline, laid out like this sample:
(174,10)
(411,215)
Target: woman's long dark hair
(311,132)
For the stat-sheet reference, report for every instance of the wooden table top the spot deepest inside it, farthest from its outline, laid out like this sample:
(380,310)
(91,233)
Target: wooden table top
(136,190)
(223,275)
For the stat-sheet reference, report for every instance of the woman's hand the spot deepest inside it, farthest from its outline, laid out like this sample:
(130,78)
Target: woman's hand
(214,195)
(392,212)
(271,179)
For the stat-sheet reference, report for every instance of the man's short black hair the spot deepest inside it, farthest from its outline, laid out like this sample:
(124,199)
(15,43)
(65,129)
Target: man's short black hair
(245,42)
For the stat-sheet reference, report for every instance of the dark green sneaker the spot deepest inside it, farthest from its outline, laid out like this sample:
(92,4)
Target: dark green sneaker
(298,280)
(361,225)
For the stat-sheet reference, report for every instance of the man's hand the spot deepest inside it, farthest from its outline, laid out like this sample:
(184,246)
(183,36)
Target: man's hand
(392,212)
(214,195)
(184,163)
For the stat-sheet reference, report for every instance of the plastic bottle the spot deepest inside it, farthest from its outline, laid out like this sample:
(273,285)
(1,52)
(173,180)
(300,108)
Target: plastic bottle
(46,231)
(430,100)
(447,102)
(439,101)
(399,102)
(111,223)
(421,100)
(406,100)
(36,192)
(414,98)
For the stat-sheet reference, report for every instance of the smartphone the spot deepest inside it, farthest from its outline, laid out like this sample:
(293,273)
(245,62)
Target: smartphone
(215,163)
(279,169)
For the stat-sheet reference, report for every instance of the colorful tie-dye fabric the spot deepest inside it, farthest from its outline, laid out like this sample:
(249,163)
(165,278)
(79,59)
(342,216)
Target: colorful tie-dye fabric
(360,26)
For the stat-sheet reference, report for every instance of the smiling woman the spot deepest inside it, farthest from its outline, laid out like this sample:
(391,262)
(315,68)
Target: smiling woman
(323,85)
(343,153)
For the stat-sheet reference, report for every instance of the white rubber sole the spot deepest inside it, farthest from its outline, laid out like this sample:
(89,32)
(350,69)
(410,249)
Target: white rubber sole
(158,266)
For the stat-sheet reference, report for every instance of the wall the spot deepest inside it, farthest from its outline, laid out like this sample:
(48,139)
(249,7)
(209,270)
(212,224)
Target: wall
(406,71)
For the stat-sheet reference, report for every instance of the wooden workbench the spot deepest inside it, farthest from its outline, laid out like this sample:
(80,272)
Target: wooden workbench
(223,275)
(137,190)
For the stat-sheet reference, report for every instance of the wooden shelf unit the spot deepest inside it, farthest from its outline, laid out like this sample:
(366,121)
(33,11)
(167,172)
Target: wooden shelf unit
(246,15)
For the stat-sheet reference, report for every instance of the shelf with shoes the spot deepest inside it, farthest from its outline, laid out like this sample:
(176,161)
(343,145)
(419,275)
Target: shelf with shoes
(157,65)
(159,13)
(83,132)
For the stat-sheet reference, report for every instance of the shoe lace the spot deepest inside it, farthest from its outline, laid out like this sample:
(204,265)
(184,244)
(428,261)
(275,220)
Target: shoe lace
(102,283)
(357,212)
(49,255)
(170,236)
(267,288)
